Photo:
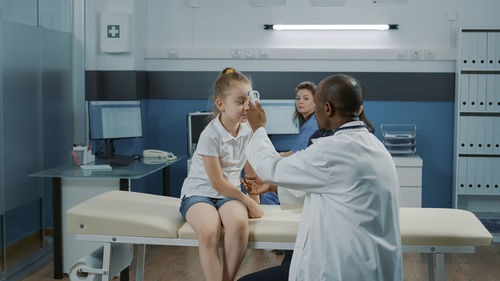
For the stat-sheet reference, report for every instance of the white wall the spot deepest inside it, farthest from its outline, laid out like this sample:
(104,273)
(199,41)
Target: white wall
(170,35)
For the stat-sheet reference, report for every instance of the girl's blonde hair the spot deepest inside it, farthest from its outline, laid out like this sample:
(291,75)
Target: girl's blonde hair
(223,84)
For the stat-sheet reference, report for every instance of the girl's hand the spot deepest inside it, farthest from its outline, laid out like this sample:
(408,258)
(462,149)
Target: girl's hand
(254,210)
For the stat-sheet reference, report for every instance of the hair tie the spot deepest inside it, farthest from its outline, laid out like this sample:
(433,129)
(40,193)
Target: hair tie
(228,70)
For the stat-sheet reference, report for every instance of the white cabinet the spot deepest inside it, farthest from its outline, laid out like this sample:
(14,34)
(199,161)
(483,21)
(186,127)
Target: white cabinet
(476,182)
(409,171)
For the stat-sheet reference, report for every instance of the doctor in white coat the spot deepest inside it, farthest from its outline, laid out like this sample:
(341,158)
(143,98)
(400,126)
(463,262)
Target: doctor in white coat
(350,220)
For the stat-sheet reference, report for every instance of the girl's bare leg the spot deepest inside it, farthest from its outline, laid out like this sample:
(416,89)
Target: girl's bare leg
(234,218)
(205,220)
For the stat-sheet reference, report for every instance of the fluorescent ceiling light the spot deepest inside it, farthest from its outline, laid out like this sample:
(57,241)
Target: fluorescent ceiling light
(330,26)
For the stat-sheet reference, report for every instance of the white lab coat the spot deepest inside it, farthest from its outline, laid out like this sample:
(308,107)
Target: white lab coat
(350,220)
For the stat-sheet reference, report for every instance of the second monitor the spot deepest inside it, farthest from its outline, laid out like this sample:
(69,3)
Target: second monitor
(280,117)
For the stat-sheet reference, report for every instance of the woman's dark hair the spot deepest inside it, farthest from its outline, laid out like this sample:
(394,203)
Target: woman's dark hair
(362,116)
(297,117)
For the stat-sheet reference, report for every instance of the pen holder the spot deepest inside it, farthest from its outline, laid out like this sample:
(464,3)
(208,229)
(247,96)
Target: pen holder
(76,157)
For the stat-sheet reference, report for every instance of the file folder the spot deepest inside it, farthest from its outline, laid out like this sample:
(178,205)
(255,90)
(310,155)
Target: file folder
(474,52)
(490,49)
(479,135)
(464,93)
(471,175)
(496,102)
(473,79)
(488,176)
(497,52)
(481,92)
(479,174)
(495,185)
(482,50)
(463,134)
(462,175)
(488,135)
(490,92)
(469,137)
(496,136)
(467,38)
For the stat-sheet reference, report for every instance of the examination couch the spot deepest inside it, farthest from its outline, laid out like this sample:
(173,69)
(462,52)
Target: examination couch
(146,219)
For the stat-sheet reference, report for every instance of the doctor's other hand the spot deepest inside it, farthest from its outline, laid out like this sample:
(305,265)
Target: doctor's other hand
(256,115)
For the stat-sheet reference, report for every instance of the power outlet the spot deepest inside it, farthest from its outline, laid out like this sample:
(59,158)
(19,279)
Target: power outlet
(415,54)
(194,3)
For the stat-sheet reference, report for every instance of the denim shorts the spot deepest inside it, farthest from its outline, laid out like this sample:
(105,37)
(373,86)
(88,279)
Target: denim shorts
(187,202)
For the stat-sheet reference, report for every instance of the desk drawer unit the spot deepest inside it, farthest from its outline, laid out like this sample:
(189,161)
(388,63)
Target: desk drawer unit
(409,171)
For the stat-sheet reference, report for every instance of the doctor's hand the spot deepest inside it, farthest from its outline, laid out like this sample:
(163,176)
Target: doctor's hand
(254,185)
(256,115)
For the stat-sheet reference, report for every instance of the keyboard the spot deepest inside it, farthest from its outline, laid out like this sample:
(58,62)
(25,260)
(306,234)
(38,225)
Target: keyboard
(120,160)
(96,167)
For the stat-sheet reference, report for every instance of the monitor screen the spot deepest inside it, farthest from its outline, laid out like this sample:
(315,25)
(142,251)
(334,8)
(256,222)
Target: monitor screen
(115,119)
(279,116)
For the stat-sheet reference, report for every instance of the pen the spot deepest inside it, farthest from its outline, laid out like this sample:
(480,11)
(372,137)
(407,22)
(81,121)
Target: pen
(90,147)
(76,158)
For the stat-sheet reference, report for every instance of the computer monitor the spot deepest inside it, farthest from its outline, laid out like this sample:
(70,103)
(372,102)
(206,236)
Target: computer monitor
(195,123)
(109,120)
(280,117)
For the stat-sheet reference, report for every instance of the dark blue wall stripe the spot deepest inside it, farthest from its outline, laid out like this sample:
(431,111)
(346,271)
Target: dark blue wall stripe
(393,86)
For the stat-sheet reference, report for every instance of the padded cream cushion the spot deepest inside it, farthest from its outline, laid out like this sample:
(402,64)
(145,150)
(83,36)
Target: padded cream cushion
(126,214)
(275,226)
(442,227)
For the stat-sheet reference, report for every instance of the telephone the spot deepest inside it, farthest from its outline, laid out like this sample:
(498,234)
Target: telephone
(158,154)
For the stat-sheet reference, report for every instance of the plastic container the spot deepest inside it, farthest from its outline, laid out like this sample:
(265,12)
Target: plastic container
(399,138)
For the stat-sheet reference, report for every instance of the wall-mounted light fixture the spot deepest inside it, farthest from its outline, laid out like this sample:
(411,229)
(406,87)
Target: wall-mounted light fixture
(331,26)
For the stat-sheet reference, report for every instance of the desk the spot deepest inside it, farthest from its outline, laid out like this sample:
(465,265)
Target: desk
(73,185)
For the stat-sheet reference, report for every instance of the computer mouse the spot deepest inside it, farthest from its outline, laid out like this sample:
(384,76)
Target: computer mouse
(136,157)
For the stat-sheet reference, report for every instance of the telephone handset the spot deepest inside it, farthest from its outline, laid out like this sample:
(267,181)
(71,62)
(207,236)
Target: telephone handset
(158,154)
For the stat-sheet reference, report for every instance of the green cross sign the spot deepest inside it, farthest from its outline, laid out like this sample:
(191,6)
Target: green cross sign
(113,31)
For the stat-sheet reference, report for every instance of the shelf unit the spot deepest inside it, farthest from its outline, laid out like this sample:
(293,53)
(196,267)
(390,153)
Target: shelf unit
(477,126)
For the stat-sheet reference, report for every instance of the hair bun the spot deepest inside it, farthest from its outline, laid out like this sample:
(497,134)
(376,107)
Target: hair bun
(228,70)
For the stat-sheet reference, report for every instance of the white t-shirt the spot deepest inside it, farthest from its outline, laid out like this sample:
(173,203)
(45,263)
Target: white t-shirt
(216,141)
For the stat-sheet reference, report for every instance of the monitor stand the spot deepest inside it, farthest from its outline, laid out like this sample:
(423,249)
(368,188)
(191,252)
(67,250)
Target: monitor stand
(111,158)
(109,151)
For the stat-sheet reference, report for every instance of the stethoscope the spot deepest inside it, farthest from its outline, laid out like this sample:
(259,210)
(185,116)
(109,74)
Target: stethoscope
(331,133)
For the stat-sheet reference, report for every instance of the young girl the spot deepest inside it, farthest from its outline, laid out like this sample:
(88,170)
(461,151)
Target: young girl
(211,196)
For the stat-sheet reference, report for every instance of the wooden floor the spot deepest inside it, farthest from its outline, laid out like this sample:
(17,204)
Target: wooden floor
(182,263)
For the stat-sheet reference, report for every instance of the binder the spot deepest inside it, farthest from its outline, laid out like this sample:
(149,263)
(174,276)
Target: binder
(464,93)
(488,176)
(462,175)
(467,38)
(490,49)
(488,135)
(479,174)
(473,79)
(497,51)
(481,93)
(469,137)
(496,102)
(474,53)
(490,93)
(496,176)
(496,135)
(471,175)
(482,50)
(479,135)
(463,128)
